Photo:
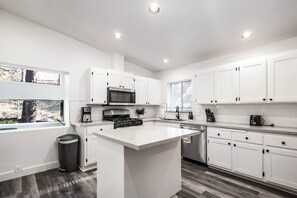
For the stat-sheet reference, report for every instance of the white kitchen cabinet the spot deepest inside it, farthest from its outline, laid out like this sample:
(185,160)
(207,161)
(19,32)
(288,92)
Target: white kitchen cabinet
(280,166)
(88,145)
(225,85)
(247,159)
(141,90)
(219,153)
(252,82)
(97,89)
(154,92)
(120,79)
(148,91)
(203,87)
(91,150)
(282,78)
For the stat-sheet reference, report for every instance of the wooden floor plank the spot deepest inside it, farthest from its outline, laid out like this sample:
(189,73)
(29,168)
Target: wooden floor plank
(197,182)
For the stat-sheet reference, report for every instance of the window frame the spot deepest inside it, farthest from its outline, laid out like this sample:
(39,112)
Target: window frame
(63,95)
(169,109)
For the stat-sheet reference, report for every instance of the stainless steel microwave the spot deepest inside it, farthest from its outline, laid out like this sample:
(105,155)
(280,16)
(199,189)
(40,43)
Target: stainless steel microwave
(120,96)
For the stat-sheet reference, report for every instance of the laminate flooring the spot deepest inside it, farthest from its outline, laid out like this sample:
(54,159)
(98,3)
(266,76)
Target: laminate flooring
(197,181)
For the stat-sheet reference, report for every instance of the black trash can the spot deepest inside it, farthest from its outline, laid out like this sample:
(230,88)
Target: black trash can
(68,152)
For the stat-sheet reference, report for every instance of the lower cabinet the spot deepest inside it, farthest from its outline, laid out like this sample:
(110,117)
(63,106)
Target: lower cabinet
(219,153)
(281,166)
(88,145)
(247,159)
(91,145)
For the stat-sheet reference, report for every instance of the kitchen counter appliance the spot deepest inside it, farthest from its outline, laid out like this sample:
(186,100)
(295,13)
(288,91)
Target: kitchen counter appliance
(86,114)
(121,118)
(120,96)
(210,116)
(195,147)
(256,120)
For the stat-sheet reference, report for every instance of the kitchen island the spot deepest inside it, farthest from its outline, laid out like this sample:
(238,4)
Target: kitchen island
(142,161)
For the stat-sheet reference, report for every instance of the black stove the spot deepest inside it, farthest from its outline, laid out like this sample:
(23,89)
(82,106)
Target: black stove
(121,118)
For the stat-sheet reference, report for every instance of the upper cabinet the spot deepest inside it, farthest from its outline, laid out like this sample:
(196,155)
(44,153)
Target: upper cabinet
(225,85)
(148,91)
(202,88)
(154,92)
(282,78)
(120,79)
(97,86)
(252,82)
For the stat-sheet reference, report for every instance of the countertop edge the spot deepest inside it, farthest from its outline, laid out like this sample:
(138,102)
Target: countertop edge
(149,145)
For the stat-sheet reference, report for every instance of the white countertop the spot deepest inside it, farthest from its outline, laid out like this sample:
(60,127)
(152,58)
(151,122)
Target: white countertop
(141,137)
(94,123)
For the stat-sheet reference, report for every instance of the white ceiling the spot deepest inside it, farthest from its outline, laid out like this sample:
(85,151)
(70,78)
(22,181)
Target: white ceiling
(185,31)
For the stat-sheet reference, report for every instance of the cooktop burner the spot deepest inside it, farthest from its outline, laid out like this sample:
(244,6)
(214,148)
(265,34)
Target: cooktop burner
(121,118)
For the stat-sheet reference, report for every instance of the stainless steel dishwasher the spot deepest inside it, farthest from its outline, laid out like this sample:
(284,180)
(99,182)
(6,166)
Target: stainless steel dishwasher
(195,147)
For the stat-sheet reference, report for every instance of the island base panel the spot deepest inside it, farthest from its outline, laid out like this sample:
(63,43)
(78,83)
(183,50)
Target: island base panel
(128,173)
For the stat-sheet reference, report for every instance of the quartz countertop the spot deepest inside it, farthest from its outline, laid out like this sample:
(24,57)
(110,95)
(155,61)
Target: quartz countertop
(94,123)
(141,137)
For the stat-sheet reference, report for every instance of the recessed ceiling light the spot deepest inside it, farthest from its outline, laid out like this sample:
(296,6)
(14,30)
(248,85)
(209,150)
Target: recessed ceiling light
(165,60)
(246,35)
(117,35)
(154,8)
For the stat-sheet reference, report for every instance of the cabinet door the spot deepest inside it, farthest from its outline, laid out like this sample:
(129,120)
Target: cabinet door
(203,87)
(98,87)
(141,90)
(253,82)
(128,81)
(247,159)
(225,85)
(219,153)
(114,79)
(282,72)
(154,92)
(91,151)
(281,166)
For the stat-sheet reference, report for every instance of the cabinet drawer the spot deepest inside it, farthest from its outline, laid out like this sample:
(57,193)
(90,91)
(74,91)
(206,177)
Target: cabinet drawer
(248,137)
(92,129)
(219,133)
(281,141)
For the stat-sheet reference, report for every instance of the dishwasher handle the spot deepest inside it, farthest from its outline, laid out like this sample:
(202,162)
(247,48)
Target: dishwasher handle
(191,127)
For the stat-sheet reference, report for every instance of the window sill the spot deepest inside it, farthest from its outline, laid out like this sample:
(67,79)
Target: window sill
(31,127)
(179,111)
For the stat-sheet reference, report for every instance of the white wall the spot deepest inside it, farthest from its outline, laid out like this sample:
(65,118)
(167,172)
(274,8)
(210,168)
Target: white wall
(130,67)
(26,43)
(279,114)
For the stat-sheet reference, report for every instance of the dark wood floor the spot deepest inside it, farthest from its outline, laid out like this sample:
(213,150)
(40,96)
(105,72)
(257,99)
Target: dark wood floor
(197,181)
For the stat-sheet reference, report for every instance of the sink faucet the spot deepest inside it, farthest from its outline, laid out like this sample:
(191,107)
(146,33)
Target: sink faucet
(177,111)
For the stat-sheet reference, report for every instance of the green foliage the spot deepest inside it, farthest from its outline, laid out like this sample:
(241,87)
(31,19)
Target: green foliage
(8,121)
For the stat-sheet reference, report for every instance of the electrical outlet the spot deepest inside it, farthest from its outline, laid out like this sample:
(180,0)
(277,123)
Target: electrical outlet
(18,169)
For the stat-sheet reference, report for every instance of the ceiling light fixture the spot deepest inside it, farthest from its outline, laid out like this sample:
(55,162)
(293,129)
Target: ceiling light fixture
(154,8)
(246,35)
(165,60)
(117,35)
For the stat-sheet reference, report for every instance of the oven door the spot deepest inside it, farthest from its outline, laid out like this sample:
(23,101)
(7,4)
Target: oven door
(120,96)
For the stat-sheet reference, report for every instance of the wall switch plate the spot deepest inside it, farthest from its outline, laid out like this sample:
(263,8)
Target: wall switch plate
(18,169)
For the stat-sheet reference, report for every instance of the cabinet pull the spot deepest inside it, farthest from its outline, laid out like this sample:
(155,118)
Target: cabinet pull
(283,143)
(267,151)
(234,145)
(246,138)
(100,129)
(216,101)
(123,86)
(229,143)
(104,101)
(120,86)
(264,99)
(219,134)
(211,101)
(270,99)
(236,98)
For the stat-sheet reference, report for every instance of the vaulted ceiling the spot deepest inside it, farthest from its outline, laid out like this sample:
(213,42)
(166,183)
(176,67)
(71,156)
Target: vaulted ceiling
(184,31)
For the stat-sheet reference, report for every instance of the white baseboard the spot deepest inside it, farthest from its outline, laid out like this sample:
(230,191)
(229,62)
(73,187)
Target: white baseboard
(28,171)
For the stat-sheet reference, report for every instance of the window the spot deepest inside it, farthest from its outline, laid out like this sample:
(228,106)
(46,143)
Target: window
(180,95)
(29,76)
(30,111)
(38,97)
